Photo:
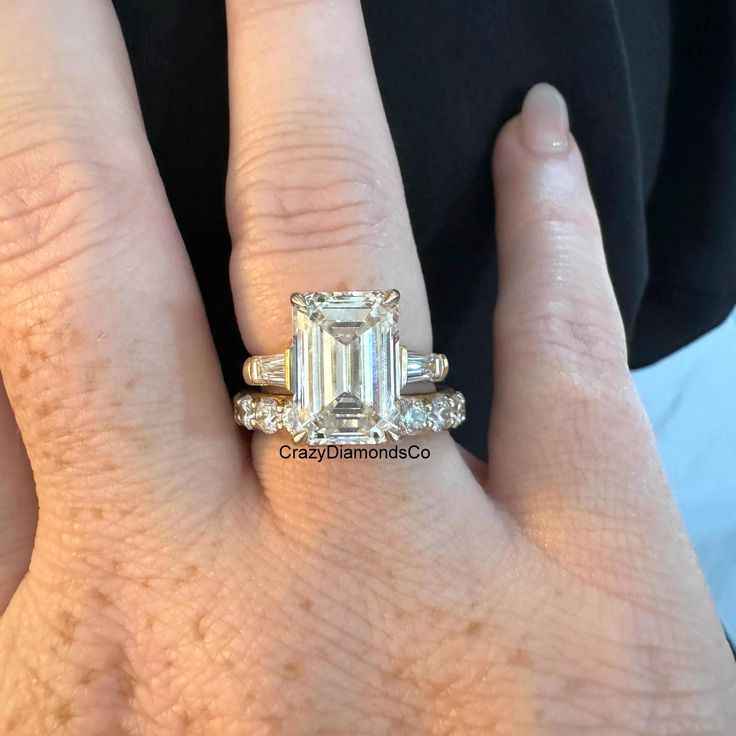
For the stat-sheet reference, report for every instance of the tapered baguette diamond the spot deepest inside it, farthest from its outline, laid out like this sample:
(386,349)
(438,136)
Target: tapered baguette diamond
(421,367)
(347,373)
(267,370)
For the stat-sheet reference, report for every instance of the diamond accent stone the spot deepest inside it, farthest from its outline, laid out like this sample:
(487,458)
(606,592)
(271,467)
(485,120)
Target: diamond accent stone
(245,411)
(440,417)
(457,409)
(421,367)
(267,370)
(347,373)
(413,415)
(267,416)
(289,420)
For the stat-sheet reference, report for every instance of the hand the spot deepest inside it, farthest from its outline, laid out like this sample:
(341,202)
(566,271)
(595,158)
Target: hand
(184,581)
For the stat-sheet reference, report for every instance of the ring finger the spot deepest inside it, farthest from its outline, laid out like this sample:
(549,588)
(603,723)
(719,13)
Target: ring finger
(315,199)
(315,196)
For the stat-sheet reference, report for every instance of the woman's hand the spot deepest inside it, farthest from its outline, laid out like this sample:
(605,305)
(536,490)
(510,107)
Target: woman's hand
(185,582)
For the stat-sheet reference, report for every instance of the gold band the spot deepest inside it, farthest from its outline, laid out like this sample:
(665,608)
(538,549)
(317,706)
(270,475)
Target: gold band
(416,414)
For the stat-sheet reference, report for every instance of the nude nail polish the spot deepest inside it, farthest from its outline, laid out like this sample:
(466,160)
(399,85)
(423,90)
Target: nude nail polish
(544,121)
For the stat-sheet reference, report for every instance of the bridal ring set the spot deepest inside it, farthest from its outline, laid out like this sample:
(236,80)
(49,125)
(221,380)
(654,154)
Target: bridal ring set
(342,381)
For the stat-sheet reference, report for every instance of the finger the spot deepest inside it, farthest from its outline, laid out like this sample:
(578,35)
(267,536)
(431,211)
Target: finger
(315,198)
(104,345)
(570,448)
(18,506)
(315,202)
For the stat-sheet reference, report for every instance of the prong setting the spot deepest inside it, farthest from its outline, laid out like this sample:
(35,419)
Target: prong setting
(417,414)
(340,381)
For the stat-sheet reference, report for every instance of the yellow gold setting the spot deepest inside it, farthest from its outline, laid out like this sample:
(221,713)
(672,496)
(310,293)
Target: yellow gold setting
(342,379)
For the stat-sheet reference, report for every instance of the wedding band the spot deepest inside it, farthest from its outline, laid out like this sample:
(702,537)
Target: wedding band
(340,381)
(417,414)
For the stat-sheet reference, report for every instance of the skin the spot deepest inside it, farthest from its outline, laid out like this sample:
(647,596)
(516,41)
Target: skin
(186,580)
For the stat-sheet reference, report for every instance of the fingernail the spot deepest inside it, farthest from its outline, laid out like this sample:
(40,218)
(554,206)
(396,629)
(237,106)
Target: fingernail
(544,122)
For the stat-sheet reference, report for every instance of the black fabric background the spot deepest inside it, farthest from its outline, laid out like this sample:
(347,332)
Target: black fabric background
(651,89)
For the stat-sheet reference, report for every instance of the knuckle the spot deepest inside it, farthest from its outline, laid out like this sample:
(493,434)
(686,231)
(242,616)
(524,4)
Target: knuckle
(58,195)
(561,307)
(303,184)
(575,334)
(348,210)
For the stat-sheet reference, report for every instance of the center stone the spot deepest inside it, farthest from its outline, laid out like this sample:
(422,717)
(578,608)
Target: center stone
(347,375)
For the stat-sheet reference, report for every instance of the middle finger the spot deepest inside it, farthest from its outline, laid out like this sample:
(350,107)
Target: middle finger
(105,349)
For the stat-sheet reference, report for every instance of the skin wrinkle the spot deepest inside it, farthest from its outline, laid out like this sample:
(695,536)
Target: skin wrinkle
(279,150)
(571,341)
(61,184)
(173,593)
(304,220)
(60,203)
(251,11)
(364,553)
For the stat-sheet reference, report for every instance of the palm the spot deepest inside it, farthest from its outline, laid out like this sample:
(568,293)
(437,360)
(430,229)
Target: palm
(184,580)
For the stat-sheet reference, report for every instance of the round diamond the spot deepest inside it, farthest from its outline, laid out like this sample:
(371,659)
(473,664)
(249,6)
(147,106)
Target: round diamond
(440,413)
(457,402)
(245,411)
(413,416)
(267,416)
(289,418)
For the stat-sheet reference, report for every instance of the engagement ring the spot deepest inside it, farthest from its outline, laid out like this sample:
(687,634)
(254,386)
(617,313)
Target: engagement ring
(341,380)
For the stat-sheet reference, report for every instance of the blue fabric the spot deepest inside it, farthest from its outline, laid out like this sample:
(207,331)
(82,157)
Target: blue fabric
(691,400)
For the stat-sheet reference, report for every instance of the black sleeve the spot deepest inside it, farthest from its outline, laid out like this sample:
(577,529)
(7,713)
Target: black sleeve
(651,91)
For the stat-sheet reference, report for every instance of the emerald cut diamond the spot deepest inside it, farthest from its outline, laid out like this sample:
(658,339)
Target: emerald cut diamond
(347,374)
